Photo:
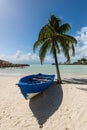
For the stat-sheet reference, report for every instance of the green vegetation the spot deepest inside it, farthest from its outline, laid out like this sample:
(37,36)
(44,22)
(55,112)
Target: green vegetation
(52,37)
(82,61)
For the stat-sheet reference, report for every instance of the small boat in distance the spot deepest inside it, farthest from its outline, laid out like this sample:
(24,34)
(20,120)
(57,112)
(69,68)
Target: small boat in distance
(34,84)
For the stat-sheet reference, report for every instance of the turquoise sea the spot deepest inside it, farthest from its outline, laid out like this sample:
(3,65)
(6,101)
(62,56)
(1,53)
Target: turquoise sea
(47,69)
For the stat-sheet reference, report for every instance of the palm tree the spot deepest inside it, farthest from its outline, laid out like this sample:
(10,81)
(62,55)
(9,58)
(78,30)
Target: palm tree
(52,37)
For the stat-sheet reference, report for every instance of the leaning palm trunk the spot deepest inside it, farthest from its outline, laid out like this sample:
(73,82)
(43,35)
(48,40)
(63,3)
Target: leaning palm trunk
(57,68)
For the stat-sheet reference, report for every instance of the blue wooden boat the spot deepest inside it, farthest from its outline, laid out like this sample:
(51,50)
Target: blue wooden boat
(33,84)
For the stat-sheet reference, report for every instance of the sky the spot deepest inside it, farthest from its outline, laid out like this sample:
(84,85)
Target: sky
(21,21)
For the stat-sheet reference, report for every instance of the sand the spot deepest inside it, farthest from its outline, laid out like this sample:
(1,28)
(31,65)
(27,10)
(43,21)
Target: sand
(61,107)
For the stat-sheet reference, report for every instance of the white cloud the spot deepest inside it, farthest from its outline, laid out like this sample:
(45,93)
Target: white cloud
(28,58)
(81,49)
(82,35)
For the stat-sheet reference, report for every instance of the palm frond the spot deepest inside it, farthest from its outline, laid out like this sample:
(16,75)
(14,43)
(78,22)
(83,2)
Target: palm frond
(67,42)
(64,28)
(66,38)
(54,22)
(52,50)
(65,49)
(51,29)
(57,47)
(54,47)
(44,33)
(72,39)
(43,49)
(36,45)
(73,50)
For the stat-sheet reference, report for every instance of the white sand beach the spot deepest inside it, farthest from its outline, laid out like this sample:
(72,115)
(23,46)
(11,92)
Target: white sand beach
(58,108)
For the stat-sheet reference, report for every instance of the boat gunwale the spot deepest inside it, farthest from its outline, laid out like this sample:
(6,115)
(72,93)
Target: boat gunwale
(50,77)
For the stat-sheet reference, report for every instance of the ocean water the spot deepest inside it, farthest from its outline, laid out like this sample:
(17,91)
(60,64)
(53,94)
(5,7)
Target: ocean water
(46,69)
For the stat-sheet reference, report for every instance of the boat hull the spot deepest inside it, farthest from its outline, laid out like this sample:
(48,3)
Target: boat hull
(31,95)
(35,84)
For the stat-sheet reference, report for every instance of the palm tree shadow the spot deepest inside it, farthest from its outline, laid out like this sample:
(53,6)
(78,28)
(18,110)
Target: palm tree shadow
(75,81)
(45,104)
(84,89)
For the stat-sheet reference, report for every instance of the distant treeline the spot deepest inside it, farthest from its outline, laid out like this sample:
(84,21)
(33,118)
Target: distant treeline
(82,61)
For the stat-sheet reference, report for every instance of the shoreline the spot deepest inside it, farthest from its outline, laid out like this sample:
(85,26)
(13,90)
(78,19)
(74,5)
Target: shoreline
(35,68)
(59,107)
(63,76)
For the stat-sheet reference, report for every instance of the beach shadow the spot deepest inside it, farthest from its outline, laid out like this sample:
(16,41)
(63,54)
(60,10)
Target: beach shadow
(45,104)
(75,81)
(84,89)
